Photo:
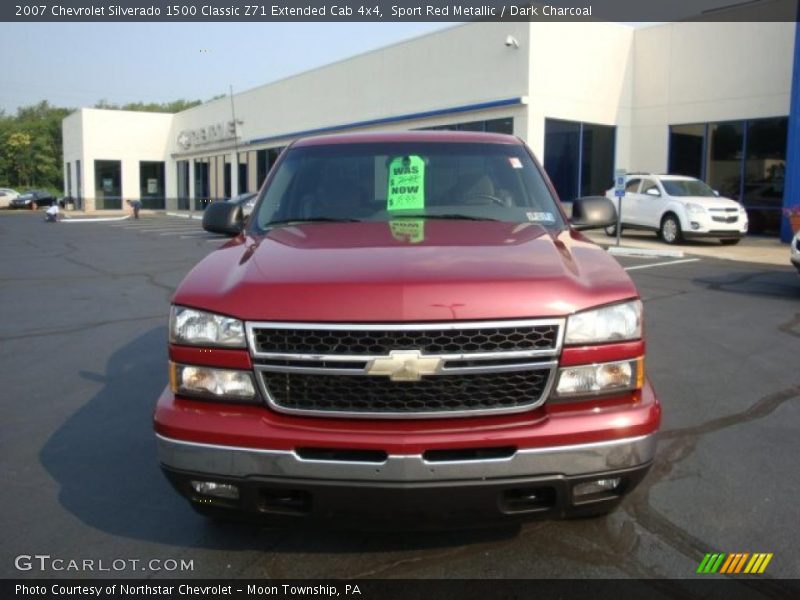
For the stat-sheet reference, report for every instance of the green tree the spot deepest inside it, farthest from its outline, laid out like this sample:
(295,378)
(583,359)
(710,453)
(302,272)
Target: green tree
(31,146)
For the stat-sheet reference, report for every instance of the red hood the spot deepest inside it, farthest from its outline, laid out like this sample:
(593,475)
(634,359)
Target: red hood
(407,271)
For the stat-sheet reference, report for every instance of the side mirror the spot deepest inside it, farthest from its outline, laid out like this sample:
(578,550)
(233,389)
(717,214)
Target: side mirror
(716,192)
(653,192)
(223,217)
(593,212)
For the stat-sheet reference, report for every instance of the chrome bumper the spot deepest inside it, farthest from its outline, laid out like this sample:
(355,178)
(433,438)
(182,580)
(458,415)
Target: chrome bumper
(581,459)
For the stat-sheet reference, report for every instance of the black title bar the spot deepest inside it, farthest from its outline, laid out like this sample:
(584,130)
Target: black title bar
(395,10)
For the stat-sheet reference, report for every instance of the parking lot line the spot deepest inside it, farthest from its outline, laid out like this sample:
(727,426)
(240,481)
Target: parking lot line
(662,264)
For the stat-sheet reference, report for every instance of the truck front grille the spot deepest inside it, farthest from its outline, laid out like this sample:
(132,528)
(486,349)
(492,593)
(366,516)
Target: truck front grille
(406,370)
(428,341)
(380,395)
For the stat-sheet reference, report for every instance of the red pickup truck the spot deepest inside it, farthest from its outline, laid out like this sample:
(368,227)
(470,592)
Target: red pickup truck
(407,328)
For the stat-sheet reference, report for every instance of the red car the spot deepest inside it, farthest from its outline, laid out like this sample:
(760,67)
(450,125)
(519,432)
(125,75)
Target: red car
(407,328)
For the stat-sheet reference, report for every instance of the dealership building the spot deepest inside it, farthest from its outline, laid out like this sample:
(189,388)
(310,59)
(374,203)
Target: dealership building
(706,99)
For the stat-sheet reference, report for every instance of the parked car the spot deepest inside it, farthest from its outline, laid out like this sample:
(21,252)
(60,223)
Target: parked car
(678,208)
(407,328)
(794,252)
(243,202)
(33,199)
(6,196)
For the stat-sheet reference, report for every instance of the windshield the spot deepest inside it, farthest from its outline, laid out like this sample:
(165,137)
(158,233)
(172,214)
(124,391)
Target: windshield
(686,187)
(383,181)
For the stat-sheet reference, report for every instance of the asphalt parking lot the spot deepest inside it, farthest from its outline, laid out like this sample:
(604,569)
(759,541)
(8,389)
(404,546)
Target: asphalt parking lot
(83,358)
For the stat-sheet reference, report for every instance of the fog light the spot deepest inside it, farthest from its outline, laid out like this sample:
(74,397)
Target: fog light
(219,490)
(695,225)
(596,487)
(211,383)
(603,378)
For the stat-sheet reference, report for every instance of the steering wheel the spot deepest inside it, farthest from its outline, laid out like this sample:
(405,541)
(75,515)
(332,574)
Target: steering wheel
(494,199)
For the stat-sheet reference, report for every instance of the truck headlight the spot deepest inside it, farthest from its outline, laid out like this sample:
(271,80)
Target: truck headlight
(211,383)
(604,378)
(200,328)
(616,322)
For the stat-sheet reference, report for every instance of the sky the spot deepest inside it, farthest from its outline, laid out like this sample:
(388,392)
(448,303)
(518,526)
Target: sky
(78,64)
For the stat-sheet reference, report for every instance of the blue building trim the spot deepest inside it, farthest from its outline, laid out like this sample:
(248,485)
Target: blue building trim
(791,189)
(396,119)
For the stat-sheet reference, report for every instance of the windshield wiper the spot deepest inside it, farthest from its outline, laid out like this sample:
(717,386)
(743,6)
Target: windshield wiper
(453,216)
(310,220)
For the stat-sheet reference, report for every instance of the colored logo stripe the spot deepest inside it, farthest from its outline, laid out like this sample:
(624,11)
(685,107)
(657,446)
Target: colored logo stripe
(720,562)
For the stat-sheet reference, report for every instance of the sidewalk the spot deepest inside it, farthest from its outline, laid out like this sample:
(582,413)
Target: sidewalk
(769,251)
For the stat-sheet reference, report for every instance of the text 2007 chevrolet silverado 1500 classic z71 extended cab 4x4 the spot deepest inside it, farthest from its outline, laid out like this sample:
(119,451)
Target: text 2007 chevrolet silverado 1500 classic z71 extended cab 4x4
(407,326)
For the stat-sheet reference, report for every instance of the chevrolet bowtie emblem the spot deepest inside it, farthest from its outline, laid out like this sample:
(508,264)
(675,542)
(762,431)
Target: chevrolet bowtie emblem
(404,365)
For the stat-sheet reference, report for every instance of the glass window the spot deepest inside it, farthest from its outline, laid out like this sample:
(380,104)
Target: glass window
(597,159)
(226,175)
(764,173)
(632,186)
(649,184)
(78,185)
(183,184)
(500,126)
(724,165)
(561,156)
(261,166)
(108,184)
(242,156)
(69,180)
(202,182)
(383,181)
(686,149)
(686,187)
(151,184)
(472,126)
(579,157)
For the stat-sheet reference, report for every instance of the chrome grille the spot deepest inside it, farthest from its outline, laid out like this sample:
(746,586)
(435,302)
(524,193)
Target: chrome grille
(405,370)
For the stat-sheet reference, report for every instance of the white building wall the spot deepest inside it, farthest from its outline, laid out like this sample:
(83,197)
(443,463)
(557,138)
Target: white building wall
(703,72)
(462,65)
(126,136)
(72,136)
(581,72)
(639,80)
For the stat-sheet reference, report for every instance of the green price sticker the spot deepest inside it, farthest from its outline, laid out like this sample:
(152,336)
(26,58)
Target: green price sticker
(406,183)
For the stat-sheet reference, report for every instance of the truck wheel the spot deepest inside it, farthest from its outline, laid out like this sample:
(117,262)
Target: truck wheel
(730,242)
(670,231)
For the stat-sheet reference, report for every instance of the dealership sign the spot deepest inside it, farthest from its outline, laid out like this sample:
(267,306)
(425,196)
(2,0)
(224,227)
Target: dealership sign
(212,134)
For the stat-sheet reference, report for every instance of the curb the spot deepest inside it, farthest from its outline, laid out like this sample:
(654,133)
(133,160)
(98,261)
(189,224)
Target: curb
(630,251)
(182,216)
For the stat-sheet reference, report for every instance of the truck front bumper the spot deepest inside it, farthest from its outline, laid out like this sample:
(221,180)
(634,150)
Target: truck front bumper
(423,473)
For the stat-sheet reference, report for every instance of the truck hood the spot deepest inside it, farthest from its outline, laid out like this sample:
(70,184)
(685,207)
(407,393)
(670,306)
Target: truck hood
(409,270)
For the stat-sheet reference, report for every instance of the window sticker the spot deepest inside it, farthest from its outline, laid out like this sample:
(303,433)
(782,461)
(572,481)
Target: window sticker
(515,162)
(541,216)
(409,231)
(406,183)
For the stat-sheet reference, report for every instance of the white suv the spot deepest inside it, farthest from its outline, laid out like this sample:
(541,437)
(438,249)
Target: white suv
(679,207)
